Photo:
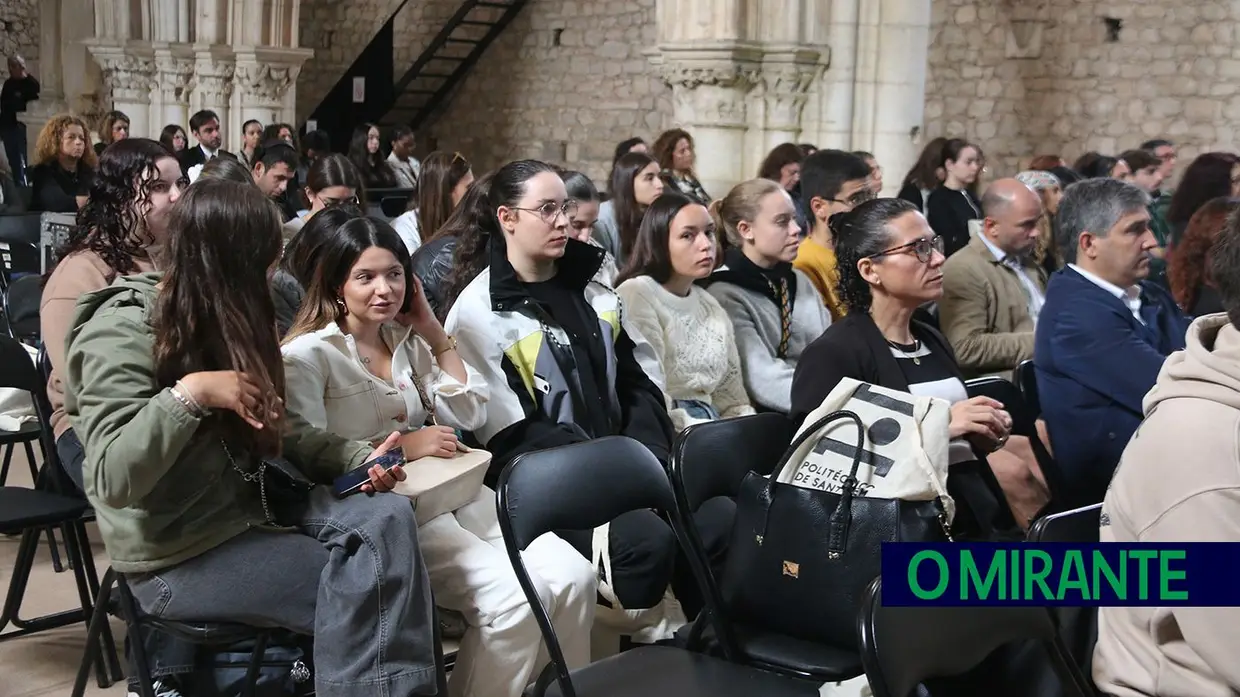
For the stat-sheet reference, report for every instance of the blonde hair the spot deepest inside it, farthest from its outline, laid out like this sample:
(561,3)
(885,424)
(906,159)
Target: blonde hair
(47,146)
(743,202)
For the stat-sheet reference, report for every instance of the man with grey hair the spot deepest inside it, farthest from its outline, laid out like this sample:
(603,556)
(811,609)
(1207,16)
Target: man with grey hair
(993,291)
(1104,332)
(18,90)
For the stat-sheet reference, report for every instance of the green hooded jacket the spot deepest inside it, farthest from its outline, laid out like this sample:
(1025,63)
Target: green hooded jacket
(163,488)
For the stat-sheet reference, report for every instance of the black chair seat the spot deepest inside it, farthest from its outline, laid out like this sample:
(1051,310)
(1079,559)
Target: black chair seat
(27,432)
(22,508)
(783,652)
(655,671)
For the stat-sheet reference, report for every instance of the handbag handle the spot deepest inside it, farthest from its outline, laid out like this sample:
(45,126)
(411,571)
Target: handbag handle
(841,517)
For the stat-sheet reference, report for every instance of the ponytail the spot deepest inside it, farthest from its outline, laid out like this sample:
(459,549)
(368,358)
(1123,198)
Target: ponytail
(742,203)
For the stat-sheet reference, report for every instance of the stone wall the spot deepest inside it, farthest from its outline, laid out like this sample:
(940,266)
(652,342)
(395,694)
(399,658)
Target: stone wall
(1172,73)
(19,31)
(568,103)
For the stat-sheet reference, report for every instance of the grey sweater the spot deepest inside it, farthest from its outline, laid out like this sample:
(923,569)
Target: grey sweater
(755,321)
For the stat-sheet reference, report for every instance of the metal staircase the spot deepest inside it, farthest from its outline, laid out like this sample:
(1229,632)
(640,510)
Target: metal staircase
(449,57)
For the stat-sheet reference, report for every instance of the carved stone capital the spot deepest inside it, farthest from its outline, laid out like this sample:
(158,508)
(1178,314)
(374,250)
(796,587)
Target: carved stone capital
(785,89)
(709,86)
(128,75)
(174,75)
(266,85)
(213,79)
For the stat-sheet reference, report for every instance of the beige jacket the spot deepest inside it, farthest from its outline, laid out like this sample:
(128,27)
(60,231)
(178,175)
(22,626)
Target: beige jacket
(984,312)
(1178,481)
(76,275)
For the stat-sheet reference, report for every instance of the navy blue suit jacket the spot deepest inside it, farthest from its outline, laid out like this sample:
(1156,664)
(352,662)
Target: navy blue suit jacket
(1094,363)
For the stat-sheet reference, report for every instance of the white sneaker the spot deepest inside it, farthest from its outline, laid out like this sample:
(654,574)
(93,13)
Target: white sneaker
(161,690)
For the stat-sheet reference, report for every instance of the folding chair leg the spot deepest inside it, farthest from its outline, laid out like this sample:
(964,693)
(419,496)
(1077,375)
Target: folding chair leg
(8,458)
(142,669)
(57,565)
(98,622)
(92,582)
(95,648)
(256,665)
(34,466)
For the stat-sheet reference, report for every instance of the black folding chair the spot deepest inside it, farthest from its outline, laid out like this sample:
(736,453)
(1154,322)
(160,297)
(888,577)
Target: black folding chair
(21,308)
(1026,378)
(903,647)
(1024,423)
(710,460)
(1079,525)
(582,486)
(29,512)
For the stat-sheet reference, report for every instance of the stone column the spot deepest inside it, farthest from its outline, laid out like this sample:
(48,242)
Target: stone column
(212,89)
(835,90)
(889,113)
(49,72)
(708,97)
(174,66)
(786,79)
(264,77)
(128,78)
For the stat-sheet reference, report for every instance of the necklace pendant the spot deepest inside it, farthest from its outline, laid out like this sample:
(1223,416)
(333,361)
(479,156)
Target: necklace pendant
(916,361)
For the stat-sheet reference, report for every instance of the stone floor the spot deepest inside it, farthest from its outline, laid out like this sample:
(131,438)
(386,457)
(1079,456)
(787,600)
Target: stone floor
(45,664)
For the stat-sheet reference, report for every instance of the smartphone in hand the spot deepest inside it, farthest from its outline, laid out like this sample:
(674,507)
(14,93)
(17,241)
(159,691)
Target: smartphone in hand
(351,482)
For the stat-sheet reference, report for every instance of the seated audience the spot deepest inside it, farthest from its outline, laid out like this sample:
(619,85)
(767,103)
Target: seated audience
(432,263)
(251,136)
(1045,163)
(401,159)
(173,137)
(1208,177)
(367,156)
(175,383)
(227,168)
(1188,264)
(992,289)
(690,333)
(300,260)
(205,125)
(1104,332)
(1095,165)
(113,127)
(783,165)
(581,225)
(832,181)
(675,152)
(444,180)
(332,180)
(1049,189)
(1179,481)
(346,338)
(63,166)
(774,308)
(953,206)
(925,175)
(891,263)
(635,184)
(876,172)
(552,345)
(275,165)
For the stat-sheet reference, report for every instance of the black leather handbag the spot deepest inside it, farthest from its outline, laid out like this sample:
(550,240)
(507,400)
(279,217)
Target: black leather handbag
(801,558)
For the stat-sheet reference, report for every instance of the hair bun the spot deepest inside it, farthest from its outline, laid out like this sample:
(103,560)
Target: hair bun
(838,222)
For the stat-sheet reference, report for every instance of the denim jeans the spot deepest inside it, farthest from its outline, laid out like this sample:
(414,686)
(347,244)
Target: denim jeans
(697,409)
(167,655)
(351,576)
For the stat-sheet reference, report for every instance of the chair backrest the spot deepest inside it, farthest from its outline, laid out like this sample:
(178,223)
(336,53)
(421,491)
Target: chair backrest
(573,487)
(1026,378)
(1078,525)
(903,646)
(21,306)
(712,458)
(17,371)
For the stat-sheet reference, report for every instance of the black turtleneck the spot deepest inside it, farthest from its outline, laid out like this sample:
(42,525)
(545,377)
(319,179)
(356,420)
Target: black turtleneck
(740,271)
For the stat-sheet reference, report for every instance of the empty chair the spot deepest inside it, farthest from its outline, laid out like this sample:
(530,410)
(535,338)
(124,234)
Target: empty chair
(903,647)
(582,486)
(710,460)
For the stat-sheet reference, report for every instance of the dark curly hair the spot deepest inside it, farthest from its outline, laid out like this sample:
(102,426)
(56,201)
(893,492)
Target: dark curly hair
(471,255)
(1188,263)
(111,222)
(860,233)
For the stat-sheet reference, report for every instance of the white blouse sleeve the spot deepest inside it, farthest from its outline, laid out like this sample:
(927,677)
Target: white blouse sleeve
(460,405)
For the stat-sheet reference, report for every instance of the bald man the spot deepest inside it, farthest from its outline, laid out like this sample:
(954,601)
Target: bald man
(992,289)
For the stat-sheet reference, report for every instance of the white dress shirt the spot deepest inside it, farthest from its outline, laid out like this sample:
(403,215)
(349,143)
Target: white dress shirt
(1131,297)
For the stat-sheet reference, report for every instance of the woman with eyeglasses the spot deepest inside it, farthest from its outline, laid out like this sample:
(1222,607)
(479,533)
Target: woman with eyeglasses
(954,205)
(551,342)
(774,308)
(890,264)
(332,180)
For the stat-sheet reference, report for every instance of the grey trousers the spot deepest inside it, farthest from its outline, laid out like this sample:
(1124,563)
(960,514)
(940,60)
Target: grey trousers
(353,578)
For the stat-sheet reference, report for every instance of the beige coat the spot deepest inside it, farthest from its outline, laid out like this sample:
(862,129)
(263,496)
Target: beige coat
(984,312)
(1178,481)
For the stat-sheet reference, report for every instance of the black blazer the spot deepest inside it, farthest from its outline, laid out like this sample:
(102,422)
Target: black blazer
(192,157)
(854,348)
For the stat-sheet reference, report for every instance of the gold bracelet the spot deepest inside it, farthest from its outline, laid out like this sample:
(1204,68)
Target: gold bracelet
(451,346)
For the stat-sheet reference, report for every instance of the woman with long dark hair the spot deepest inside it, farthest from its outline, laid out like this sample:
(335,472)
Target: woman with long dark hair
(635,184)
(300,259)
(525,294)
(113,128)
(347,335)
(1210,176)
(173,138)
(925,175)
(442,184)
(1189,262)
(953,206)
(331,181)
(366,152)
(176,383)
(690,333)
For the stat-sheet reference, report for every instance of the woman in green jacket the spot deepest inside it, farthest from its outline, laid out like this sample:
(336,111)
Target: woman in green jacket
(174,385)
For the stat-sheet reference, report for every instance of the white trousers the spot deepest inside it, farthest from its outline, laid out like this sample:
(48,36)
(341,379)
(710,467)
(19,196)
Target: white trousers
(502,650)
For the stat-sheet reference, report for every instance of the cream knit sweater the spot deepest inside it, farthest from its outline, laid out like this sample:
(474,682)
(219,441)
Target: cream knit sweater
(692,337)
